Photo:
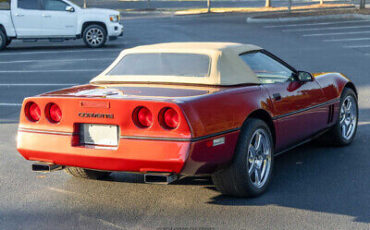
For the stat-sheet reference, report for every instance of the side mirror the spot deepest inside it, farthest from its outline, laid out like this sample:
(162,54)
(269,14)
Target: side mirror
(303,76)
(70,9)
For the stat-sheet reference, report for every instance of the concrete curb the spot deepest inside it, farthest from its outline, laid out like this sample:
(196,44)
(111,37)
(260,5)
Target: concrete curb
(307,18)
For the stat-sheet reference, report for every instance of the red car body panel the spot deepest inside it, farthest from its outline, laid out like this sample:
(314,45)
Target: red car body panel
(207,113)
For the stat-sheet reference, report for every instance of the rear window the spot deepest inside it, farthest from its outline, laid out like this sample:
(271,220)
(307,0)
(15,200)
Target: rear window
(163,64)
(29,4)
(4,4)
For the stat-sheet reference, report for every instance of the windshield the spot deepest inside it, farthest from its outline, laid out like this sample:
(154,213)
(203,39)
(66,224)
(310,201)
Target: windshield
(163,64)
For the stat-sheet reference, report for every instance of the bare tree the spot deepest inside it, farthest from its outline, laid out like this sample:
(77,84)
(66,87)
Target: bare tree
(268,3)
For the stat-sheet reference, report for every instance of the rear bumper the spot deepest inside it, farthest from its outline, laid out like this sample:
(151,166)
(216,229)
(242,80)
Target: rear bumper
(132,155)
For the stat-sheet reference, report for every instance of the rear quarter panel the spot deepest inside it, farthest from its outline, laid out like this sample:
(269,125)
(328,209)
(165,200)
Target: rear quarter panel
(6,22)
(225,110)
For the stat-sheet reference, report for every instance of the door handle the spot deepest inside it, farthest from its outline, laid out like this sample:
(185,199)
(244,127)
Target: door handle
(19,15)
(276,96)
(46,16)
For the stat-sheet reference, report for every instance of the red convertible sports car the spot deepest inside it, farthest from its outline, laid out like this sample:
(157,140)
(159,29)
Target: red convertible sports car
(187,109)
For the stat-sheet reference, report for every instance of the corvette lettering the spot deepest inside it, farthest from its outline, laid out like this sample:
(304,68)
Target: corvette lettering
(96,115)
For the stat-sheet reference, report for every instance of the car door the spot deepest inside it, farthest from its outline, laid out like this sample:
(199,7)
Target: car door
(296,104)
(27,18)
(58,19)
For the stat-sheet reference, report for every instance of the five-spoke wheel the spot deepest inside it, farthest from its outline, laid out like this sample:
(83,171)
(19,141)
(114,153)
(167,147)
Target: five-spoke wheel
(344,130)
(259,157)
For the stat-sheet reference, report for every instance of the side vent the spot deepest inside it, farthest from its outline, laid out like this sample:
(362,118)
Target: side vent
(331,114)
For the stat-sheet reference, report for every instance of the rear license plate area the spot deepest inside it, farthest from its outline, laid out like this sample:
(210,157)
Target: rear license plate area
(95,135)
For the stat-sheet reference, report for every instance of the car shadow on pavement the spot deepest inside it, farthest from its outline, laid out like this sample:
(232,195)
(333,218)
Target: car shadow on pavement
(319,178)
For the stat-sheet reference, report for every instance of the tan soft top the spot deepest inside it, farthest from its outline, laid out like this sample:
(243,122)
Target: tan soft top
(226,66)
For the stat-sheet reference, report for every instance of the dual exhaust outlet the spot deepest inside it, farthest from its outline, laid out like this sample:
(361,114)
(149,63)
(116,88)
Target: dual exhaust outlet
(150,178)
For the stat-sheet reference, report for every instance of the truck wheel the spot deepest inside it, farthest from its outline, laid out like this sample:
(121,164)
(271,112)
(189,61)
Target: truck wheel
(3,40)
(86,173)
(251,170)
(95,36)
(344,131)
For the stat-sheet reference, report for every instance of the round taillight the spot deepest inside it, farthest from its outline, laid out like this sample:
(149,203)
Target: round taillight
(143,117)
(171,119)
(53,113)
(33,112)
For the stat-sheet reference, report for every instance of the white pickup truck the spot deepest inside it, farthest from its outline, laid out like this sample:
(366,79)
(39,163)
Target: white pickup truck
(56,20)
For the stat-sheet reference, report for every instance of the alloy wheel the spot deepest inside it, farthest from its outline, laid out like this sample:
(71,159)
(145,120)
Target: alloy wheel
(95,36)
(259,158)
(348,117)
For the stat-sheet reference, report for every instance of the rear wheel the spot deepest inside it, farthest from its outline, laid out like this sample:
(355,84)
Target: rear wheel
(3,40)
(344,130)
(250,173)
(95,36)
(86,173)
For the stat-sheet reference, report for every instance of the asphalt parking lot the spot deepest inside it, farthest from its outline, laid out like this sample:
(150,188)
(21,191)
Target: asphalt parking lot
(315,186)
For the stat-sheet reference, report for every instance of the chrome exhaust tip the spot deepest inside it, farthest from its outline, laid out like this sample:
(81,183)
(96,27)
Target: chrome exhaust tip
(44,167)
(160,178)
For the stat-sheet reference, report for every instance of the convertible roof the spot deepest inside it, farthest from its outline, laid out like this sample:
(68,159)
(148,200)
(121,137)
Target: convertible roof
(226,67)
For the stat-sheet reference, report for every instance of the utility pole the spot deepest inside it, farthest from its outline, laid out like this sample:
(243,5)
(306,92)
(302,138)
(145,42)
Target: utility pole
(209,6)
(85,4)
(290,6)
(362,4)
(268,3)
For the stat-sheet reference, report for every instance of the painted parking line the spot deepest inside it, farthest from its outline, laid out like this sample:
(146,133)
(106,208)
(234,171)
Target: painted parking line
(357,46)
(35,84)
(327,28)
(347,39)
(50,71)
(10,104)
(318,24)
(339,33)
(58,60)
(59,51)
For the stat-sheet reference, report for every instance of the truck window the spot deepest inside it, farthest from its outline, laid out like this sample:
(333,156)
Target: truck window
(55,5)
(4,4)
(29,4)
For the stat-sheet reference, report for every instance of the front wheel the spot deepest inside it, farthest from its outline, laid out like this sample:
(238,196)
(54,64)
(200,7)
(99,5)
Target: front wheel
(95,36)
(344,130)
(251,170)
(86,173)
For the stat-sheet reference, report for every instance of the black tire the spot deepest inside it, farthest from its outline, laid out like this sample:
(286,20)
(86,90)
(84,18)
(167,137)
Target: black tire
(86,173)
(95,30)
(3,40)
(235,179)
(335,135)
